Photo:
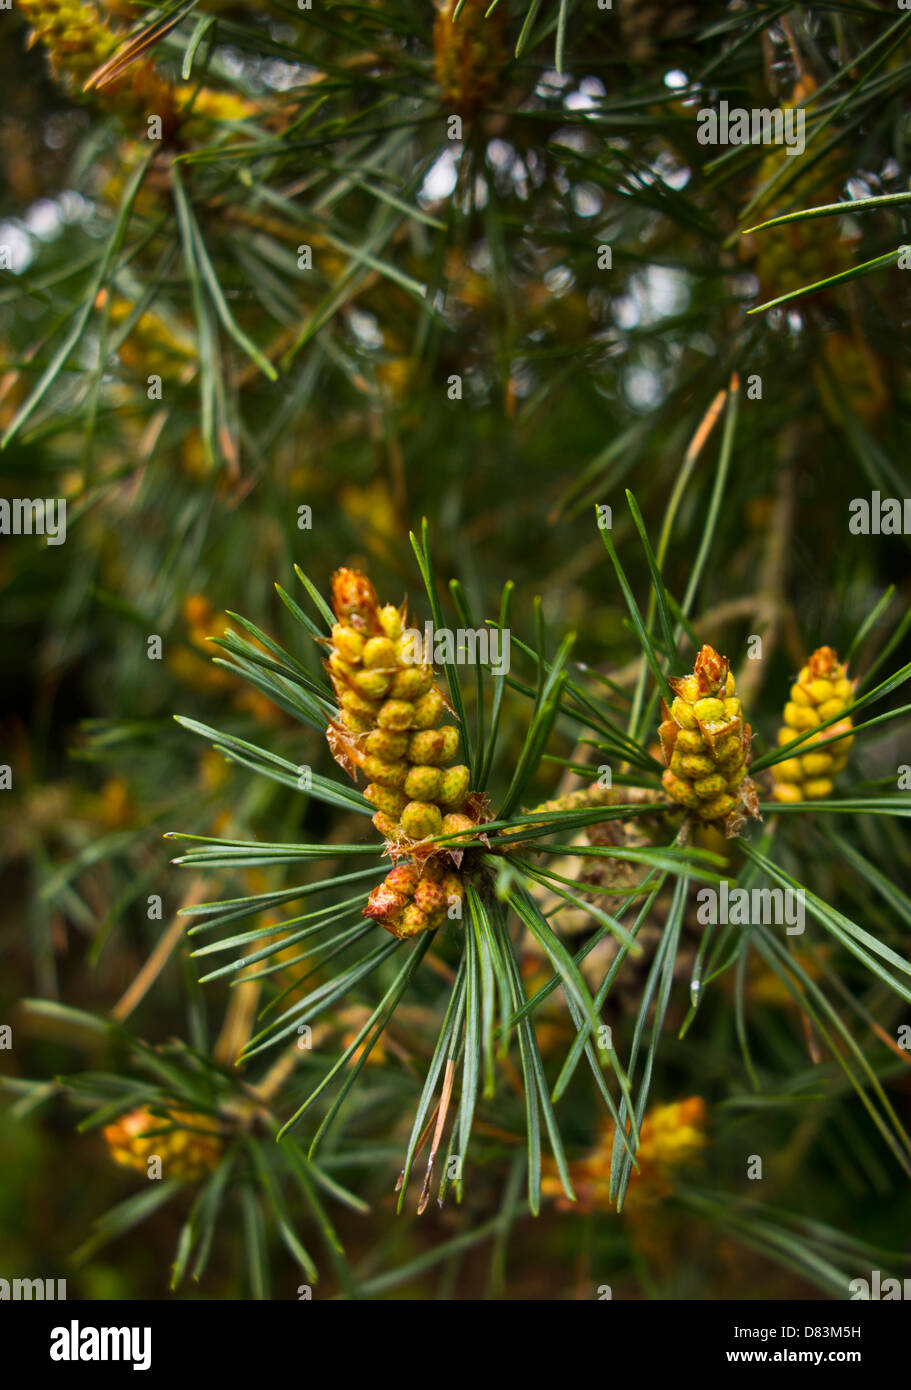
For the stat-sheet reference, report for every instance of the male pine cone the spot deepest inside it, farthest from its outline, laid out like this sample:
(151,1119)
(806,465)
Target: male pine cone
(189,1150)
(415,897)
(80,41)
(389,727)
(821,691)
(389,718)
(469,53)
(706,745)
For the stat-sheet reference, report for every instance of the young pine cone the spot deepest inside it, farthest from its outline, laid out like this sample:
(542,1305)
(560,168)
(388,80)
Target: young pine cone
(75,35)
(389,720)
(78,39)
(671,1137)
(183,1150)
(469,53)
(413,898)
(821,690)
(706,745)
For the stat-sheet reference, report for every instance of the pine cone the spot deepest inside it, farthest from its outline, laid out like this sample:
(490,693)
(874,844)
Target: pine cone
(821,690)
(706,745)
(389,728)
(152,346)
(389,717)
(413,898)
(183,1150)
(469,53)
(670,1137)
(79,39)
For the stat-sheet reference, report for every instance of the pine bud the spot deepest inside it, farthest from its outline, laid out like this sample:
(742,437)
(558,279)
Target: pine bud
(435,746)
(382,697)
(430,898)
(421,819)
(428,710)
(379,654)
(373,685)
(413,921)
(397,715)
(403,879)
(386,799)
(388,728)
(671,1137)
(354,599)
(388,826)
(347,642)
(390,620)
(453,786)
(821,691)
(386,901)
(793,256)
(423,783)
(389,746)
(410,682)
(358,723)
(355,704)
(453,888)
(341,669)
(386,774)
(456,822)
(78,40)
(706,744)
